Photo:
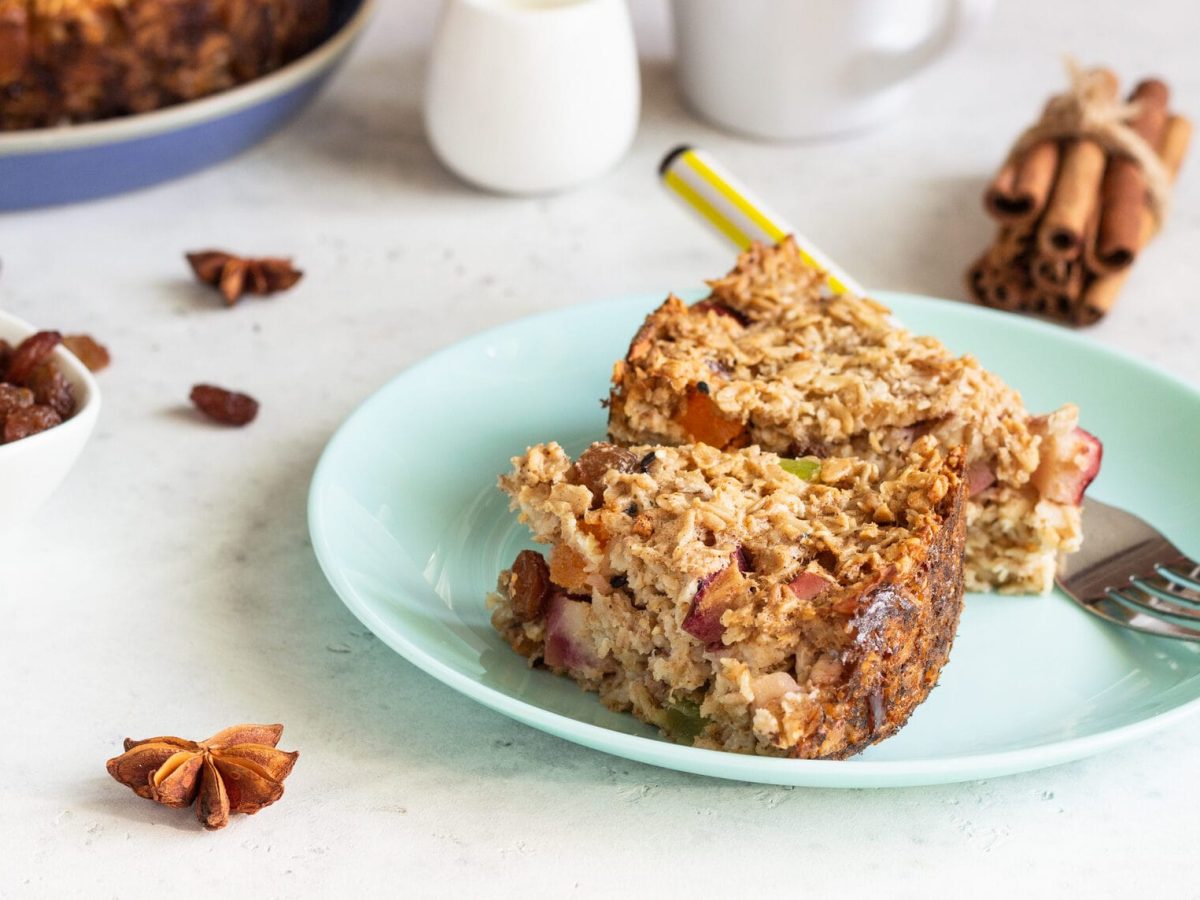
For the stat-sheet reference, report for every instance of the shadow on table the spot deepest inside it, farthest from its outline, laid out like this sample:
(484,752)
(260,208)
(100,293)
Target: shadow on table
(96,795)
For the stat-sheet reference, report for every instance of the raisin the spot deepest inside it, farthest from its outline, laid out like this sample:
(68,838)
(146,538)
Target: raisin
(226,407)
(530,585)
(51,388)
(30,420)
(618,581)
(646,461)
(702,387)
(88,351)
(594,462)
(30,354)
(798,450)
(13,398)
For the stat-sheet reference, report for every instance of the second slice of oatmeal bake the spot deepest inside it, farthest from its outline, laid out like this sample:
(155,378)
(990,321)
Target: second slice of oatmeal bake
(769,358)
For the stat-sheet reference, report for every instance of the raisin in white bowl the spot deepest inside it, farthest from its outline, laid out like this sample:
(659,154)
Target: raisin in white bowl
(33,467)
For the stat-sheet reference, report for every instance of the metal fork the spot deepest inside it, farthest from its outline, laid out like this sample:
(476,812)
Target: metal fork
(1129,574)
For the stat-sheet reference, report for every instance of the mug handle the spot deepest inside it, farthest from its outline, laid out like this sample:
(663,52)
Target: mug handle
(960,20)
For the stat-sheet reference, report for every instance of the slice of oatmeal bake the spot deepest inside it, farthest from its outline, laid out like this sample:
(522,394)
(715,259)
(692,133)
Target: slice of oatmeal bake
(770,358)
(737,600)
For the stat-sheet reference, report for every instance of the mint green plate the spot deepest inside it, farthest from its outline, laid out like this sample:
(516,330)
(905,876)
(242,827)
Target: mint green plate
(411,532)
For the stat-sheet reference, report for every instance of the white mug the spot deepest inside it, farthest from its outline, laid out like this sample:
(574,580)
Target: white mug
(532,96)
(787,69)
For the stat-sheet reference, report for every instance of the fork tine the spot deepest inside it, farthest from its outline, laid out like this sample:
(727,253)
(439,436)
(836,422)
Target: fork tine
(1119,614)
(1152,601)
(1130,574)
(1168,588)
(1185,577)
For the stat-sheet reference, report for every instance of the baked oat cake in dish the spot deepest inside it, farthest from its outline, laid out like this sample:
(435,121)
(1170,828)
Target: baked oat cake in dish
(770,358)
(737,600)
(64,61)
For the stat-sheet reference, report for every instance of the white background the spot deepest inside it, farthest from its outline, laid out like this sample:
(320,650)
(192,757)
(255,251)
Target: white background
(170,585)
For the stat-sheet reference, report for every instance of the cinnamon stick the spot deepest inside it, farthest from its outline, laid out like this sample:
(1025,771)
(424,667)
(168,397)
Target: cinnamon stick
(1098,297)
(1074,211)
(1056,304)
(1073,201)
(1013,244)
(1076,190)
(1007,290)
(977,276)
(999,287)
(1177,134)
(1123,190)
(1064,276)
(1020,188)
(1102,292)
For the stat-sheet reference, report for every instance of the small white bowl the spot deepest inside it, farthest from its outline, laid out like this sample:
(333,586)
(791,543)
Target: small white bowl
(31,468)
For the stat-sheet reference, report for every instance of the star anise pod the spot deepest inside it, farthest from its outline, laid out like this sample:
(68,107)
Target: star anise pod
(235,275)
(236,770)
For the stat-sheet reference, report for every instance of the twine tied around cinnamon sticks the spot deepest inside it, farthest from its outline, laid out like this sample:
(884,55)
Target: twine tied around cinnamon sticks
(1080,193)
(1089,109)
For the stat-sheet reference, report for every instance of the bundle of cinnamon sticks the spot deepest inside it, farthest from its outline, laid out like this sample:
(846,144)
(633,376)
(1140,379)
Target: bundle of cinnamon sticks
(1075,205)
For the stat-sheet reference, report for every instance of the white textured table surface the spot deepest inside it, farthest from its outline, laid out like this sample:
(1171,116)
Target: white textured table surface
(170,584)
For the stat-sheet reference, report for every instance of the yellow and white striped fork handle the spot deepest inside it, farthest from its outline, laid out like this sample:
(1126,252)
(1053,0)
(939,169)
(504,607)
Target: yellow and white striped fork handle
(708,189)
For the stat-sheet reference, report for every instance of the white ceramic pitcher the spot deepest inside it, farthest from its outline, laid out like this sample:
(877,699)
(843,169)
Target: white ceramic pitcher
(531,96)
(786,69)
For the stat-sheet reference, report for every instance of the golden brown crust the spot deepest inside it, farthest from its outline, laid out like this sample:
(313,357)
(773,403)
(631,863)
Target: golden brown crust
(903,637)
(796,615)
(79,60)
(632,369)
